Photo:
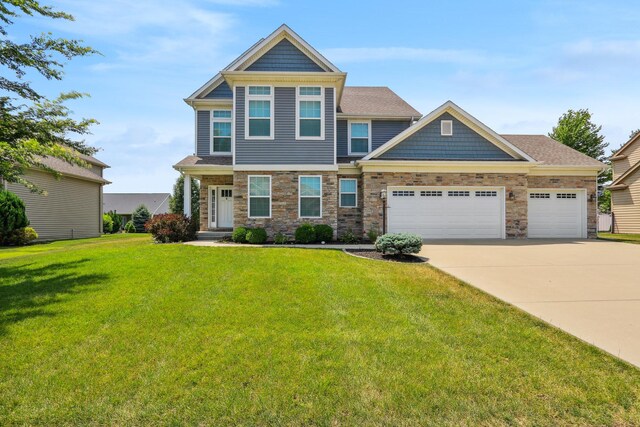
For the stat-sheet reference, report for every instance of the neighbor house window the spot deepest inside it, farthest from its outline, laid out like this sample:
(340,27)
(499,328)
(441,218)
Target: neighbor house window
(310,196)
(310,113)
(348,193)
(259,112)
(221,131)
(359,137)
(259,196)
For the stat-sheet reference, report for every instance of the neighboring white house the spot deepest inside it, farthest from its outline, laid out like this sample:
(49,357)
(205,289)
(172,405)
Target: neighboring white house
(125,203)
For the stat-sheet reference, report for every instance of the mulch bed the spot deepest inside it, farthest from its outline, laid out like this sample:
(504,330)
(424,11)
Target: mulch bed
(372,254)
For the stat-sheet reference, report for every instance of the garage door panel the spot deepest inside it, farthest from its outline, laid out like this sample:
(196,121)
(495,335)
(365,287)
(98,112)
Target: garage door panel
(556,214)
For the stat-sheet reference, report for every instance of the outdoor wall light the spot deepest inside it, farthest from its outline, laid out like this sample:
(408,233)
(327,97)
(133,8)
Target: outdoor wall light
(511,195)
(383,194)
(592,197)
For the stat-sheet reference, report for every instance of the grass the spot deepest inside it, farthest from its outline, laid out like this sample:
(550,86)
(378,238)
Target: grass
(627,238)
(120,331)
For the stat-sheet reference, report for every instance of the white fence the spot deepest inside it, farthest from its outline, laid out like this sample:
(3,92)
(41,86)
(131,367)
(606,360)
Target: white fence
(604,222)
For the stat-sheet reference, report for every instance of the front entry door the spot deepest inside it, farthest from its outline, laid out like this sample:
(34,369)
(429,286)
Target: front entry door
(225,207)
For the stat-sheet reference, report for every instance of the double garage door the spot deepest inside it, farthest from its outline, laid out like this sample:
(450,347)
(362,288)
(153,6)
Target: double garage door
(478,212)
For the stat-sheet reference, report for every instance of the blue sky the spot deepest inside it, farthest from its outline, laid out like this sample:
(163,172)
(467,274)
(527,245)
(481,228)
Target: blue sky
(515,65)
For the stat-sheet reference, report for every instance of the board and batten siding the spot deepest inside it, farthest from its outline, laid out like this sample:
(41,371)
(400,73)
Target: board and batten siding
(284,148)
(625,205)
(70,210)
(381,132)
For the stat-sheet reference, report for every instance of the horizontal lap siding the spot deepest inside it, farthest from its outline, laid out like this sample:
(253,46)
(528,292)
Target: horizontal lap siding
(381,132)
(204,131)
(222,91)
(625,205)
(71,208)
(284,56)
(284,149)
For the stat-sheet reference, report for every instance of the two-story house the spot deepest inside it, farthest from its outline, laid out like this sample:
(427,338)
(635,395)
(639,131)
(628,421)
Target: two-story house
(280,140)
(625,188)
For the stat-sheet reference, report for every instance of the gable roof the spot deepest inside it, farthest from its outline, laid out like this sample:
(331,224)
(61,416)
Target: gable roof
(620,180)
(550,152)
(619,154)
(68,169)
(126,203)
(374,101)
(460,114)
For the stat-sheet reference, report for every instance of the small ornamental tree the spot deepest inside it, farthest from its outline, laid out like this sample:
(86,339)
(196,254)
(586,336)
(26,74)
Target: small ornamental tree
(176,202)
(107,224)
(12,213)
(117,221)
(140,217)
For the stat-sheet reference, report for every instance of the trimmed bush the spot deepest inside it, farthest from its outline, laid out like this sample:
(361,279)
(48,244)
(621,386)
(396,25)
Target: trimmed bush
(280,239)
(140,217)
(239,235)
(170,228)
(107,224)
(257,236)
(117,221)
(13,215)
(129,227)
(399,244)
(372,235)
(21,236)
(324,233)
(349,237)
(305,234)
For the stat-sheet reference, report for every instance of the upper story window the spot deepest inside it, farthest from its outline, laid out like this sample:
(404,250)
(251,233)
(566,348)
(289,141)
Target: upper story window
(446,127)
(359,137)
(259,114)
(221,132)
(310,113)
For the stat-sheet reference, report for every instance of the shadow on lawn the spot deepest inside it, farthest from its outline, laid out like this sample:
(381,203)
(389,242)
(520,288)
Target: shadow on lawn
(33,289)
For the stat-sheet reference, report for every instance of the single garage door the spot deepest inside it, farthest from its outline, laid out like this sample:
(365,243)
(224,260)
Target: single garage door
(557,214)
(447,212)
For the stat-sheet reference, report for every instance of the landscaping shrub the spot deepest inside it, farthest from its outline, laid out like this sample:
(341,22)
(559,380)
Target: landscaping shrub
(239,235)
(280,239)
(349,237)
(129,227)
(305,234)
(107,224)
(399,244)
(257,236)
(140,217)
(21,236)
(117,221)
(12,213)
(324,233)
(372,235)
(170,228)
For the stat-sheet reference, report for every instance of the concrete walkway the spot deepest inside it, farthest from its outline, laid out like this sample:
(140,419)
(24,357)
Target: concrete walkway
(590,289)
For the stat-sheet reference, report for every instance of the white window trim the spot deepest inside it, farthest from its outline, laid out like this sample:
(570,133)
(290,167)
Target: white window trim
(300,195)
(310,98)
(354,153)
(442,123)
(340,193)
(248,98)
(249,195)
(220,120)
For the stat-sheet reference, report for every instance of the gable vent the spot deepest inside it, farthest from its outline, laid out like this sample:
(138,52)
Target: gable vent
(446,127)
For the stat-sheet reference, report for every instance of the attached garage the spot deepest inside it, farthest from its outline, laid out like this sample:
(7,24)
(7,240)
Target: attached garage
(557,213)
(447,212)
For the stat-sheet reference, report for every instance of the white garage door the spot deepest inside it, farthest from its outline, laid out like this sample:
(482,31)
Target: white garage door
(557,214)
(447,212)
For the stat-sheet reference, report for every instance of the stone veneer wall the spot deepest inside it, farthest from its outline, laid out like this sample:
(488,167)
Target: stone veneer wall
(516,207)
(205,182)
(284,202)
(351,218)
(569,182)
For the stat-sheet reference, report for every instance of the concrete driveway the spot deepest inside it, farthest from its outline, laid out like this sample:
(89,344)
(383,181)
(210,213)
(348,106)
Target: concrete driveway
(590,289)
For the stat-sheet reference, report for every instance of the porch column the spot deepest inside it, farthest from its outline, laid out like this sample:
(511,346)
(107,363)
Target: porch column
(187,195)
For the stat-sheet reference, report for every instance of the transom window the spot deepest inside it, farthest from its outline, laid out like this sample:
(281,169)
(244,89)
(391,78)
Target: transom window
(348,193)
(259,196)
(403,193)
(221,132)
(259,113)
(486,194)
(310,113)
(359,137)
(458,193)
(427,193)
(310,196)
(539,195)
(566,196)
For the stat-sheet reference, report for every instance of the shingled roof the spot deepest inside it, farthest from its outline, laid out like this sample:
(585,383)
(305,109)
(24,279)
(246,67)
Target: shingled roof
(126,203)
(74,170)
(374,101)
(551,152)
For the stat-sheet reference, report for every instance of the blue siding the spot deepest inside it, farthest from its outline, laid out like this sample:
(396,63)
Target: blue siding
(203,128)
(381,132)
(284,149)
(428,144)
(284,56)
(222,91)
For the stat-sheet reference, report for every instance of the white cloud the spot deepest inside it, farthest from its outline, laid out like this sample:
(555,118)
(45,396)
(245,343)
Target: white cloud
(373,54)
(624,49)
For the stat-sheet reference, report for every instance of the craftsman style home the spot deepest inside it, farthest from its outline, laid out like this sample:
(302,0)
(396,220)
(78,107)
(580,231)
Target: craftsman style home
(280,140)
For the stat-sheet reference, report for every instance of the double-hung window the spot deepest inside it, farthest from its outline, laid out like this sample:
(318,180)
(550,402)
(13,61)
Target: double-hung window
(259,111)
(221,132)
(259,196)
(310,113)
(348,193)
(359,137)
(310,196)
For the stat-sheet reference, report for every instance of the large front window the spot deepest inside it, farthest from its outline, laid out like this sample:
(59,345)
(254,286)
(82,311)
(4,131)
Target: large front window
(310,196)
(310,114)
(260,112)
(221,132)
(259,196)
(359,137)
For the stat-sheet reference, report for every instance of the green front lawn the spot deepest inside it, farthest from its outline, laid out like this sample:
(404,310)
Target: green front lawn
(628,238)
(119,331)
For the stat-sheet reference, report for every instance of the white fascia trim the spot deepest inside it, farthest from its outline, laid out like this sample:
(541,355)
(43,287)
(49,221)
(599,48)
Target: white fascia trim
(550,170)
(205,169)
(286,168)
(348,169)
(208,104)
(351,153)
(444,166)
(347,116)
(459,113)
(322,115)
